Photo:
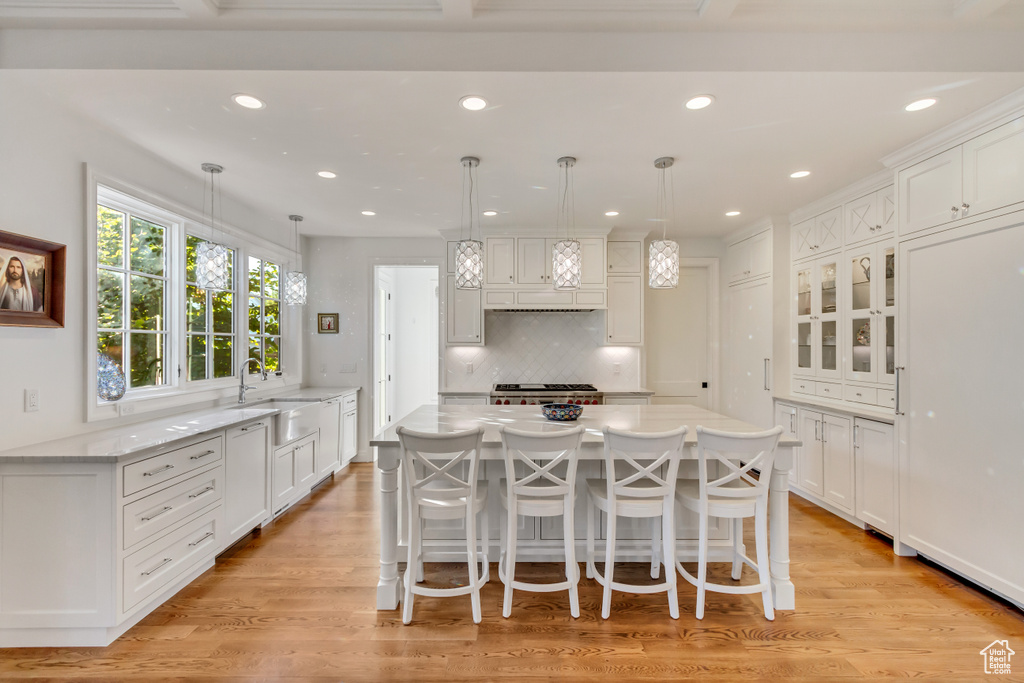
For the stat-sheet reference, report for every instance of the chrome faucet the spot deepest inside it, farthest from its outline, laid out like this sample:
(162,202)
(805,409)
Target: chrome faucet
(242,388)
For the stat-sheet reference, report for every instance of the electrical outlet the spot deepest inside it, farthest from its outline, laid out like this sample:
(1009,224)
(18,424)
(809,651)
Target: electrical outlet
(125,408)
(469,368)
(31,400)
(617,368)
(348,367)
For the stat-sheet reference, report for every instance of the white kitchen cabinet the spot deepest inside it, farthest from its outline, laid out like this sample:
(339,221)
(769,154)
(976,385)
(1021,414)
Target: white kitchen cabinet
(788,417)
(293,471)
(984,174)
(349,427)
(870,217)
(811,473)
(592,251)
(875,465)
(746,361)
(826,458)
(328,455)
(817,300)
(500,260)
(750,258)
(625,257)
(247,469)
(464,319)
(819,235)
(624,321)
(534,260)
(869,300)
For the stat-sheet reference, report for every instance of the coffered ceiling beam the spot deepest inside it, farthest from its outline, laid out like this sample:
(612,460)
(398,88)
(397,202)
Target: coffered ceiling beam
(717,10)
(198,8)
(972,10)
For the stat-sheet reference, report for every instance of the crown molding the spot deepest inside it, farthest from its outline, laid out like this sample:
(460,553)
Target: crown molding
(875,181)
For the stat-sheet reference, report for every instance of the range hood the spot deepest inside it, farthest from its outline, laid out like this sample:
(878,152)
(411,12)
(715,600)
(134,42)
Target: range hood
(542,310)
(545,301)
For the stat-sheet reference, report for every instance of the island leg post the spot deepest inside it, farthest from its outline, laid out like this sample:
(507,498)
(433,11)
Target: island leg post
(388,587)
(783,591)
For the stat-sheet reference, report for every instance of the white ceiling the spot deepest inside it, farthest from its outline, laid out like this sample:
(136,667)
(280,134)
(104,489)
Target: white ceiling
(381,108)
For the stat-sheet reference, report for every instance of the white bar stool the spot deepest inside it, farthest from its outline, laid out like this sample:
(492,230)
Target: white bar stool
(547,488)
(441,480)
(649,463)
(736,494)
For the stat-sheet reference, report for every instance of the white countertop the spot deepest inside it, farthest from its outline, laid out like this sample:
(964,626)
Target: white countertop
(316,393)
(867,412)
(614,392)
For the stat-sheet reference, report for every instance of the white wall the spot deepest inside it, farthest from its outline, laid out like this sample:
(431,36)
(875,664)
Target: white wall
(340,271)
(43,161)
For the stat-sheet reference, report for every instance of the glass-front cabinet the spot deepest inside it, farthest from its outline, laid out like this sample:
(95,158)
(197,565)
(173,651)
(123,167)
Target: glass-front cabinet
(817,299)
(869,277)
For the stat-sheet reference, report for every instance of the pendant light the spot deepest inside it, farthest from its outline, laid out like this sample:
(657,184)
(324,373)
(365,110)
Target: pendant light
(212,258)
(664,253)
(469,253)
(295,281)
(566,255)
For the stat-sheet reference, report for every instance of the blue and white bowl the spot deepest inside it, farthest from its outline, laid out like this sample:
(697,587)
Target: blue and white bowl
(561,412)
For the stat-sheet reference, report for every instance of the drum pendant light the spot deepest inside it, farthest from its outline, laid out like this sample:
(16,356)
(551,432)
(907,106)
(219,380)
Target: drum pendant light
(566,255)
(212,258)
(295,281)
(664,253)
(469,253)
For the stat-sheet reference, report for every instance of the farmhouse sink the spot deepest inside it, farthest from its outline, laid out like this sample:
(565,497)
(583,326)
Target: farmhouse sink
(295,417)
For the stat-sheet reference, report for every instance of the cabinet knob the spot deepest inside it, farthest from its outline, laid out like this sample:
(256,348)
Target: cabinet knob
(954,208)
(966,206)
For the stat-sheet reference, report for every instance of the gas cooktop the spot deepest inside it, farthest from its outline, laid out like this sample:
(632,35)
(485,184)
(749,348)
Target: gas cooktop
(544,387)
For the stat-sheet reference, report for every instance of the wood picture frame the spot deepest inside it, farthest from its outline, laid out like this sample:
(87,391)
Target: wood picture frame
(38,301)
(327,323)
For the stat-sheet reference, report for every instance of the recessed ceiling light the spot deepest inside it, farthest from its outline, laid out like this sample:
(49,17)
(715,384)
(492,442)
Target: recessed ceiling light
(473,102)
(248,101)
(611,213)
(921,104)
(732,213)
(490,213)
(369,213)
(327,174)
(800,174)
(700,101)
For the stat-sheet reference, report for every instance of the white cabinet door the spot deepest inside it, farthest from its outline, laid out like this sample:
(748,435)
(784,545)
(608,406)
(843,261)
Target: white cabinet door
(869,288)
(875,465)
(861,218)
(328,456)
(349,436)
(802,239)
(931,192)
(500,260)
(994,169)
(787,417)
(305,463)
(593,253)
(247,475)
(464,319)
(750,258)
(811,469)
(285,483)
(624,319)
(886,201)
(533,260)
(837,460)
(625,258)
(817,298)
(828,229)
(746,358)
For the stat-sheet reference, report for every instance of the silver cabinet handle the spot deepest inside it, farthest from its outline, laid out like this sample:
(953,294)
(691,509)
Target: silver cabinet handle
(158,470)
(258,424)
(166,560)
(199,493)
(954,211)
(791,429)
(823,430)
(202,455)
(200,539)
(162,512)
(965,206)
(766,374)
(898,369)
(855,427)
(817,424)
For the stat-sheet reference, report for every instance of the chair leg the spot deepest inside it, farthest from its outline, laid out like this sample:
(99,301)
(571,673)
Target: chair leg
(471,559)
(668,538)
(590,537)
(655,545)
(420,577)
(412,566)
(738,548)
(702,562)
(763,575)
(485,543)
(512,535)
(572,570)
(609,568)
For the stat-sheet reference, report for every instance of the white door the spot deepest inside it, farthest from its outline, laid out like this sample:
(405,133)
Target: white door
(681,336)
(747,352)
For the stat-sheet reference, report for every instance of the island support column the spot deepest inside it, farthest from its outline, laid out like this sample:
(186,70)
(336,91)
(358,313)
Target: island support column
(783,592)
(388,586)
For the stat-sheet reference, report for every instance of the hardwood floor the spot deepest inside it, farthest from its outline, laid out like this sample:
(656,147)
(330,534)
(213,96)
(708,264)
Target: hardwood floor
(298,603)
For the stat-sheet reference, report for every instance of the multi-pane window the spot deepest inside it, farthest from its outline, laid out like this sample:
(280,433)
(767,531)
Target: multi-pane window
(132,295)
(209,321)
(265,313)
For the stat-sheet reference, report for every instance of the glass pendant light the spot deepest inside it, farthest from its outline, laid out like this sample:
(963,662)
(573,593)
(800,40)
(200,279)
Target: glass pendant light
(664,253)
(566,255)
(212,258)
(469,253)
(295,281)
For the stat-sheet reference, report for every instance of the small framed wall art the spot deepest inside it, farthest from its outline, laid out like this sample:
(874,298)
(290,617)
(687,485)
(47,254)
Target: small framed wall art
(31,281)
(327,323)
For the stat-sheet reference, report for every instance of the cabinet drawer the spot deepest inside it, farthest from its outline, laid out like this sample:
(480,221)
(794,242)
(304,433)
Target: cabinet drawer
(160,468)
(860,395)
(828,390)
(151,569)
(590,298)
(149,516)
(887,398)
(499,298)
(803,386)
(545,298)
(349,403)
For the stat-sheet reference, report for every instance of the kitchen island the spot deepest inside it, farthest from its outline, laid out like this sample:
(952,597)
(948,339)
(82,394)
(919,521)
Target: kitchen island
(640,418)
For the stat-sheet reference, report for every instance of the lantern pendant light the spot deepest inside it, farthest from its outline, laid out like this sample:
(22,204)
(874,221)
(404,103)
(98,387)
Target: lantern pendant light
(212,258)
(566,255)
(469,253)
(664,253)
(295,281)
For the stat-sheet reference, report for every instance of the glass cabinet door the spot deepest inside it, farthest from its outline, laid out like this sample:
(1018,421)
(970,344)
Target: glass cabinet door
(861,314)
(803,292)
(829,357)
(887,359)
(828,287)
(803,346)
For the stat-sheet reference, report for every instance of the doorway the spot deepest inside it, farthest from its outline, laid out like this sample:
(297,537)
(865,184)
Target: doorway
(405,348)
(682,336)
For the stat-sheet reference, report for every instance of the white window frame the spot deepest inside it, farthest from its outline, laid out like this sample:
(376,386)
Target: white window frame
(209,334)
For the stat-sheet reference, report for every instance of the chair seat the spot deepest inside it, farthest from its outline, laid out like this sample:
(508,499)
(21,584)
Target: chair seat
(627,506)
(450,508)
(688,494)
(534,503)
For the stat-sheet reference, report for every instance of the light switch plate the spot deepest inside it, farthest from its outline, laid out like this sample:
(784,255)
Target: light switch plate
(31,400)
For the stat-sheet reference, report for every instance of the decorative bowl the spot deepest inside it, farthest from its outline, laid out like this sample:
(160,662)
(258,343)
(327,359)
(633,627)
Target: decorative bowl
(561,412)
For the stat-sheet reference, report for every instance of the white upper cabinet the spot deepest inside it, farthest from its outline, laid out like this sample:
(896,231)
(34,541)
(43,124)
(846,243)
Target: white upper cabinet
(593,252)
(750,258)
(625,318)
(500,260)
(870,216)
(818,235)
(534,260)
(931,192)
(869,277)
(465,315)
(625,258)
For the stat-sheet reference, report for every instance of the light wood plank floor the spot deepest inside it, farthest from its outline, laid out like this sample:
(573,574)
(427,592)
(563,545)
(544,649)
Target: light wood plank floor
(298,603)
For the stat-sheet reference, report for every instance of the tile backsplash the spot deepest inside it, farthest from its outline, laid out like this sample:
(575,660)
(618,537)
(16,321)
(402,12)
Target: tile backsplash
(553,347)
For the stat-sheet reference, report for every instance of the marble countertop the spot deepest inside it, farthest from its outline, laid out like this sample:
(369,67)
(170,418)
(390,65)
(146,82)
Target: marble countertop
(316,393)
(867,412)
(614,392)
